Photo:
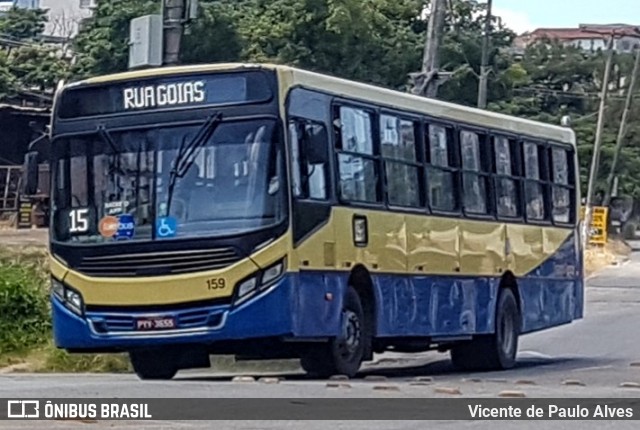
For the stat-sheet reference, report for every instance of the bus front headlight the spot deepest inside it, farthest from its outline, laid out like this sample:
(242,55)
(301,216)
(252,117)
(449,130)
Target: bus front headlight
(272,273)
(247,286)
(74,301)
(259,281)
(57,288)
(71,298)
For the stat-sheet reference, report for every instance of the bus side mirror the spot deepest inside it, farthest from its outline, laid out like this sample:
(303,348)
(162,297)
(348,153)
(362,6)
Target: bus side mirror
(31,173)
(315,144)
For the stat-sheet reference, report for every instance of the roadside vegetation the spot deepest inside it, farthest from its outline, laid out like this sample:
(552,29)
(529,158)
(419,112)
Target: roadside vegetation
(25,320)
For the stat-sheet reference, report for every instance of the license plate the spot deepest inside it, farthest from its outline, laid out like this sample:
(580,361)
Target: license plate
(155,323)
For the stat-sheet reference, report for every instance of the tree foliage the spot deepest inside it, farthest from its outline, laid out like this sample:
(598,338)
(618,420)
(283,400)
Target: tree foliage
(23,24)
(31,65)
(102,45)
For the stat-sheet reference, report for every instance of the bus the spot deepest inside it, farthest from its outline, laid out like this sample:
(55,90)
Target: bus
(268,212)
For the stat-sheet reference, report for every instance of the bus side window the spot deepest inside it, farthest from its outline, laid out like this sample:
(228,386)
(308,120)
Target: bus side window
(358,166)
(534,186)
(474,178)
(398,148)
(561,186)
(309,150)
(507,186)
(441,170)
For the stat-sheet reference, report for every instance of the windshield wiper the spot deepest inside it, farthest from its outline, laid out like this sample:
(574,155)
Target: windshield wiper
(106,137)
(187,154)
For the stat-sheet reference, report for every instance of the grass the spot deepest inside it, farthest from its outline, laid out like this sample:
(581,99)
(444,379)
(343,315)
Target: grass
(25,317)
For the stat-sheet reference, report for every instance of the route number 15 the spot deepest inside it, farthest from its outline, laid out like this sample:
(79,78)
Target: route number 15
(79,220)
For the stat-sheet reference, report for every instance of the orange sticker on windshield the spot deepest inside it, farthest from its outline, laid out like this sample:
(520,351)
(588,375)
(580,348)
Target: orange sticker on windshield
(108,226)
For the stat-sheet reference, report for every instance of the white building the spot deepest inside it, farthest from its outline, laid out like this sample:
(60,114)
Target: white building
(588,37)
(64,15)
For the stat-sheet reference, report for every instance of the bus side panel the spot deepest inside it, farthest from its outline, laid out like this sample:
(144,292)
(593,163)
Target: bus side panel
(551,294)
(434,305)
(319,303)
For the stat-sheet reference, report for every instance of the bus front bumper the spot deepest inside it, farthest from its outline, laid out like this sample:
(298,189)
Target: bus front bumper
(267,314)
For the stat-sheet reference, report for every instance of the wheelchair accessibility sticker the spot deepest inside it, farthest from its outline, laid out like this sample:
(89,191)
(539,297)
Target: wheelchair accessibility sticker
(166,227)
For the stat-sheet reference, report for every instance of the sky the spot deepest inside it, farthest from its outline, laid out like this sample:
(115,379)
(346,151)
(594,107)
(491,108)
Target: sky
(527,15)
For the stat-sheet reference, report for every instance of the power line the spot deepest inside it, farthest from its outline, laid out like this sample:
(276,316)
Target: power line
(584,95)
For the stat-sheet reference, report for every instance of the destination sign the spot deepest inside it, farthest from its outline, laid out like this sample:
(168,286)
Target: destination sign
(151,96)
(160,93)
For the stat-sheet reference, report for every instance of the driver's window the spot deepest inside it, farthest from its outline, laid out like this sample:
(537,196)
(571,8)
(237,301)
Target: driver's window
(309,153)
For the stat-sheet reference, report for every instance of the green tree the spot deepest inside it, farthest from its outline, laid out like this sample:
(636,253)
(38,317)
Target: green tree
(461,53)
(32,65)
(38,67)
(377,41)
(102,45)
(22,24)
(6,78)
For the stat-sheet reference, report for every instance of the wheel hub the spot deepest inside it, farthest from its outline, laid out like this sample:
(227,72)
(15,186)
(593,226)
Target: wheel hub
(351,333)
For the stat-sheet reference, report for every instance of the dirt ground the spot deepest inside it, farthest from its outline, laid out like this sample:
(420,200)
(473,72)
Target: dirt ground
(27,237)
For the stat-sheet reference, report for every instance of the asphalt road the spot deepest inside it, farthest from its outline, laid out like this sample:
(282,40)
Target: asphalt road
(593,357)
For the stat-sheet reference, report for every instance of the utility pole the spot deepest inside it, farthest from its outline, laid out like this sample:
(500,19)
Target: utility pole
(622,131)
(595,159)
(484,67)
(173,13)
(427,81)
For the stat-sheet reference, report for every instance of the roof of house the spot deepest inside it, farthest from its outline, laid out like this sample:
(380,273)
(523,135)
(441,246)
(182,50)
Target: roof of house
(585,32)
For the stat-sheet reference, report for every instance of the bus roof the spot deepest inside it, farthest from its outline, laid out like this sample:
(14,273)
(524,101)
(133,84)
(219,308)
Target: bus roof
(366,92)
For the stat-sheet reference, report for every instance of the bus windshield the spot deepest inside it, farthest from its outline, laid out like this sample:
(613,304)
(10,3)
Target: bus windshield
(114,185)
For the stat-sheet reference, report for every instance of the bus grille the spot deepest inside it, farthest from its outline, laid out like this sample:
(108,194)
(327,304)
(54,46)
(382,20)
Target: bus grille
(187,319)
(158,263)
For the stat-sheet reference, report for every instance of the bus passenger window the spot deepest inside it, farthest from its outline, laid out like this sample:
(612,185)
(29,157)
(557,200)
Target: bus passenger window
(398,147)
(473,181)
(534,189)
(561,193)
(441,171)
(309,151)
(359,179)
(508,204)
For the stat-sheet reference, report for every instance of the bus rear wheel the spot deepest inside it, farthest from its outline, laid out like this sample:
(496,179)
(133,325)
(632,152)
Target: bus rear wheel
(344,354)
(153,364)
(498,350)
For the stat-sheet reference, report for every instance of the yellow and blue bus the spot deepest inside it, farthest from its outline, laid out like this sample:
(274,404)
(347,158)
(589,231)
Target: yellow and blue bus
(270,212)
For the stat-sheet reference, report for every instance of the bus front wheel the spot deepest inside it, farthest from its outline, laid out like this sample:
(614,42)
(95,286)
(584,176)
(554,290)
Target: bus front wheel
(498,350)
(153,364)
(344,354)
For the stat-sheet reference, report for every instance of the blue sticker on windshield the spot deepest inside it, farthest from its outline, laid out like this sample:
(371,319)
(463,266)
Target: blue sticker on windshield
(126,227)
(166,227)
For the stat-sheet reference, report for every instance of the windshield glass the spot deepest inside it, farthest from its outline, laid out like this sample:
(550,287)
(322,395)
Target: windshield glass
(114,185)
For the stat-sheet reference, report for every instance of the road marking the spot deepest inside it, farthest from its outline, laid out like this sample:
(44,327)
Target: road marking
(448,390)
(534,354)
(574,382)
(510,393)
(590,369)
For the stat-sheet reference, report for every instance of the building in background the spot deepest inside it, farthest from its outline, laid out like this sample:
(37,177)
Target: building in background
(24,4)
(588,37)
(64,16)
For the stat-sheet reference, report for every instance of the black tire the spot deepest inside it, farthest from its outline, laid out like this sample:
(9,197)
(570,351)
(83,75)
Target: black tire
(153,365)
(498,350)
(341,355)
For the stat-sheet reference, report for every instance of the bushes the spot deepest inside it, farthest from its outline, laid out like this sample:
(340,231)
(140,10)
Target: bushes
(25,319)
(24,307)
